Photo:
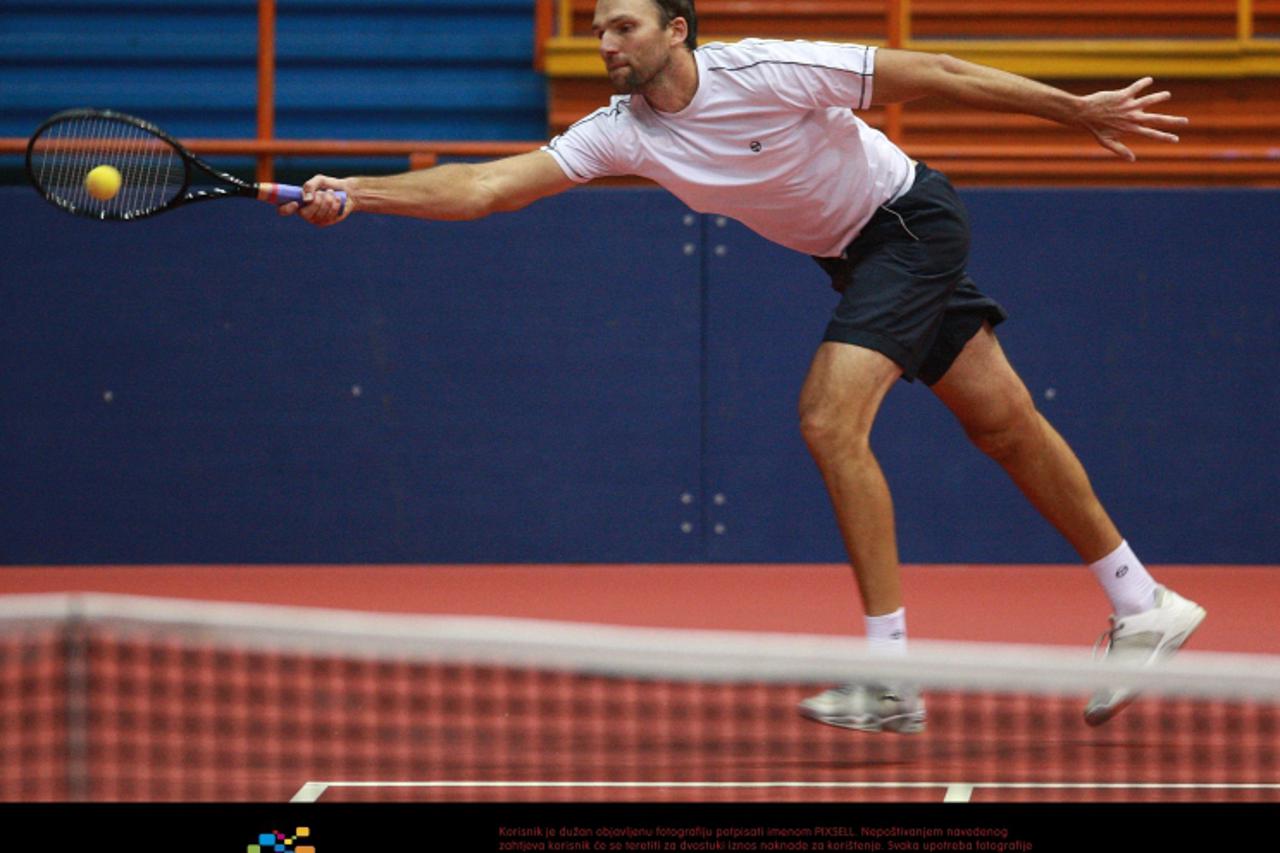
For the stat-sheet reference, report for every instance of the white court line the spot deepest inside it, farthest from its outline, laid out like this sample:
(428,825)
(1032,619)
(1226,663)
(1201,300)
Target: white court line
(309,792)
(956,792)
(312,791)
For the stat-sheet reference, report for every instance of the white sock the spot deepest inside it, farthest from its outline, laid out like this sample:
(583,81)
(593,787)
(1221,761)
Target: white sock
(1125,581)
(888,634)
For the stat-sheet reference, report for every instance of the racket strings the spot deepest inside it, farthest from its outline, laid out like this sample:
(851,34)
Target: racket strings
(152,173)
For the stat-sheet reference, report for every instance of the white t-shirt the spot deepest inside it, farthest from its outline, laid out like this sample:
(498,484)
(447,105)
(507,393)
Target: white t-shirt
(769,139)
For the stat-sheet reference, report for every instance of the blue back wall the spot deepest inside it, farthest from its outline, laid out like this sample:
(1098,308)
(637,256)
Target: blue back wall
(345,69)
(602,377)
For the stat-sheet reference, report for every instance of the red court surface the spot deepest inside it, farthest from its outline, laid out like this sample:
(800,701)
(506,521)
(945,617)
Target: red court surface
(987,603)
(1185,755)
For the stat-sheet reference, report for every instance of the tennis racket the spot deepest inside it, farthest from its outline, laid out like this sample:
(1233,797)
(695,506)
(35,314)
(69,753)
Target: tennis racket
(156,173)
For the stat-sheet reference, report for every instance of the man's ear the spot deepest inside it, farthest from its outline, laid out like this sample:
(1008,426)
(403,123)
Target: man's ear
(679,31)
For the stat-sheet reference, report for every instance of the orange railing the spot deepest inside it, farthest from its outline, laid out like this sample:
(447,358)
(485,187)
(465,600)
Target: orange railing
(898,26)
(419,154)
(266,84)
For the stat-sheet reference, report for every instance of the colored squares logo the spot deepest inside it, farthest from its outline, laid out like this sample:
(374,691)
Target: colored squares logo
(277,842)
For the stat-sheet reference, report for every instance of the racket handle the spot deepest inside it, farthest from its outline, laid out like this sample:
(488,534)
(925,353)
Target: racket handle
(285,193)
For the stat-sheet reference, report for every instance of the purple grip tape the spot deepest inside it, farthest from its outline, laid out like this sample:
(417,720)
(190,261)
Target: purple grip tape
(285,193)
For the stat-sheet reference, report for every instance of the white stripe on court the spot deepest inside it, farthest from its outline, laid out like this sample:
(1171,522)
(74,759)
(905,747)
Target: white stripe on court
(309,792)
(955,792)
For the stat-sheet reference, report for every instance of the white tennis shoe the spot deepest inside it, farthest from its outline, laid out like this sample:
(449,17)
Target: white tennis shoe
(868,708)
(1143,639)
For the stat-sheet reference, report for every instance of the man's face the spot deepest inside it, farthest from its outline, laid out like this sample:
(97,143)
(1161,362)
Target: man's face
(634,46)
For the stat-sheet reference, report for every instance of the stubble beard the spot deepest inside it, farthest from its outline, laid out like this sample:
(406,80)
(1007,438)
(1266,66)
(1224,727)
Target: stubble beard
(636,81)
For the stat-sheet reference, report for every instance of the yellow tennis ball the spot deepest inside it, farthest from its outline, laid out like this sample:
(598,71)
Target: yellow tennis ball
(103,182)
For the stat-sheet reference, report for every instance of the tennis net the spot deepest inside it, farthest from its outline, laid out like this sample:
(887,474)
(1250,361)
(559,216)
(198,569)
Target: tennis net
(119,698)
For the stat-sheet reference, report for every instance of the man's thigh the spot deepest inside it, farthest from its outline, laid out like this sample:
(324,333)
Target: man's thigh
(981,388)
(845,386)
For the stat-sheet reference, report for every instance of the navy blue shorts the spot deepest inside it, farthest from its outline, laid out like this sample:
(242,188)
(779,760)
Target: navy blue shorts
(904,289)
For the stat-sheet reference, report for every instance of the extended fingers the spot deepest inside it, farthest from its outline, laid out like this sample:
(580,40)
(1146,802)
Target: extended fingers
(1157,125)
(1154,98)
(1124,111)
(1138,85)
(1152,133)
(1118,148)
(1153,125)
(1162,120)
(1158,118)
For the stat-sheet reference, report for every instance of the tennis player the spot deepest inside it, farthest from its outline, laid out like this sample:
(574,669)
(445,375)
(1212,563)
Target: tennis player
(766,132)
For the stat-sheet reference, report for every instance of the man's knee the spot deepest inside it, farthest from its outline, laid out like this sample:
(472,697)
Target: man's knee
(1007,429)
(841,396)
(828,427)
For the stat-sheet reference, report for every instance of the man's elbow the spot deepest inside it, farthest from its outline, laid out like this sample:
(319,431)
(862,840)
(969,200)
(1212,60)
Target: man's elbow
(955,75)
(945,63)
(478,206)
(460,194)
(944,76)
(490,194)
(916,74)
(480,200)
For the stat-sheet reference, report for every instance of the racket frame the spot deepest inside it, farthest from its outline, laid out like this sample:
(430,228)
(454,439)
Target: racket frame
(228,185)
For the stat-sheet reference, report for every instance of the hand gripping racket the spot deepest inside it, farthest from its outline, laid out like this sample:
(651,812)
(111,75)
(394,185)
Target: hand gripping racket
(155,172)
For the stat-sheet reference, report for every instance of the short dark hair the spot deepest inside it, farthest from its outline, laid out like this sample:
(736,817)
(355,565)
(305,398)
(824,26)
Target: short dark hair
(669,10)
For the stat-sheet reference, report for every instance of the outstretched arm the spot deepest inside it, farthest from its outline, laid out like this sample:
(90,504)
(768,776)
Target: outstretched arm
(451,191)
(904,75)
